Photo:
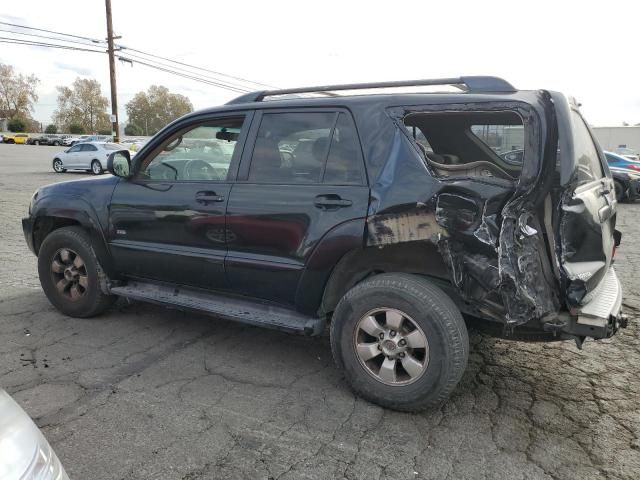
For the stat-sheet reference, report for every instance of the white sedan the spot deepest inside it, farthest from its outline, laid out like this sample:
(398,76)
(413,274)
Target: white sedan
(89,156)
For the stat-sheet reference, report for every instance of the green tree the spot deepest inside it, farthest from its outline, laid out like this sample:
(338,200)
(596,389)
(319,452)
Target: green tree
(82,104)
(132,130)
(51,128)
(17,93)
(76,129)
(16,125)
(153,109)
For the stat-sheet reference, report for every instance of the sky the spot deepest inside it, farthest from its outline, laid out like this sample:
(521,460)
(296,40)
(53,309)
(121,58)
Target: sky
(588,50)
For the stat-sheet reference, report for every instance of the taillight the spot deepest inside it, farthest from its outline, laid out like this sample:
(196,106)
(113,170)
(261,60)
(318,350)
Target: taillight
(633,167)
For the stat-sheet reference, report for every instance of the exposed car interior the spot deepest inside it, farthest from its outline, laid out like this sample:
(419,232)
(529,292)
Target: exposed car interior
(469,144)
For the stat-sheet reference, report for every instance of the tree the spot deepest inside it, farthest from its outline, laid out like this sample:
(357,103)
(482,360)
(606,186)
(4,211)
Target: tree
(17,93)
(51,128)
(82,104)
(132,130)
(151,111)
(16,125)
(76,129)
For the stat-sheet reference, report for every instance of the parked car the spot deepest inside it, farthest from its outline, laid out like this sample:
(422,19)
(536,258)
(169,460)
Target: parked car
(17,138)
(45,139)
(627,184)
(619,161)
(628,153)
(326,208)
(89,156)
(24,453)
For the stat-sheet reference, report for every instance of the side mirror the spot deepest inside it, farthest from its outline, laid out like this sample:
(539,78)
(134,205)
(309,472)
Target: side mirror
(119,164)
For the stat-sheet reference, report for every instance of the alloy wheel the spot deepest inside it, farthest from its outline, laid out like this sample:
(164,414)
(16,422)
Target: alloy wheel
(69,274)
(96,168)
(391,346)
(57,166)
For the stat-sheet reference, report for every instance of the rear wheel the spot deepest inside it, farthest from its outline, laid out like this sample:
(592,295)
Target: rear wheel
(56,144)
(70,274)
(620,190)
(58,166)
(401,341)
(36,142)
(96,167)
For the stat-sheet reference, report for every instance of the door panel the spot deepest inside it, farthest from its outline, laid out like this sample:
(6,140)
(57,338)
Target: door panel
(168,232)
(168,223)
(272,230)
(304,176)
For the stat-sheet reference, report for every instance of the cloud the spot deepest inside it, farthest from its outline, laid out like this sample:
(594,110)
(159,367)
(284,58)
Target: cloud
(82,71)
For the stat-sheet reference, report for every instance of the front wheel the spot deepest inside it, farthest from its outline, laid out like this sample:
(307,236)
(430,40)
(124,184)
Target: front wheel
(70,274)
(401,341)
(58,167)
(96,167)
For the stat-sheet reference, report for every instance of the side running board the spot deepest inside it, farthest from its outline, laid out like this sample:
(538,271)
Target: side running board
(230,307)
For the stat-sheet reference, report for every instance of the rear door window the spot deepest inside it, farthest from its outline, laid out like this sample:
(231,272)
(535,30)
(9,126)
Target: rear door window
(587,159)
(313,147)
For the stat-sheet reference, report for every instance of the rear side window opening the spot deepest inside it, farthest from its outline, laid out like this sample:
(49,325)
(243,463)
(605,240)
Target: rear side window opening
(470,144)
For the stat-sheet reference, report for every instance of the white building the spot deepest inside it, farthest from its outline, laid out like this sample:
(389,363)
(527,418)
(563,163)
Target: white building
(618,139)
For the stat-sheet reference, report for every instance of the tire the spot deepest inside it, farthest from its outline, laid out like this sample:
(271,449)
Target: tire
(56,144)
(11,141)
(57,166)
(422,305)
(96,167)
(620,191)
(89,299)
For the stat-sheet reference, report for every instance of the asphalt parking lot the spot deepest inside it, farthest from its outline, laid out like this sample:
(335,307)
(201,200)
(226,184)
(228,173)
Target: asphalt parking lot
(148,393)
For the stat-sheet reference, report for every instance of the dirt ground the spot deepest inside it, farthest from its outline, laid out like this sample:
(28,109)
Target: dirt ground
(148,393)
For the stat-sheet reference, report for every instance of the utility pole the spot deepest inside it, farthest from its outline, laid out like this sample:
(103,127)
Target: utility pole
(112,74)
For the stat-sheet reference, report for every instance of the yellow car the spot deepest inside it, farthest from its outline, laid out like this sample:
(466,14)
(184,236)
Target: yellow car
(18,138)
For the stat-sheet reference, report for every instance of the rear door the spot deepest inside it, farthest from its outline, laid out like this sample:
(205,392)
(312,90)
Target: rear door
(588,211)
(302,175)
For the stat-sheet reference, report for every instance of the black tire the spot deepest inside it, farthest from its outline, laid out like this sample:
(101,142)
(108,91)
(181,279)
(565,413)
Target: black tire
(96,167)
(56,144)
(93,301)
(36,142)
(620,191)
(433,311)
(11,141)
(55,169)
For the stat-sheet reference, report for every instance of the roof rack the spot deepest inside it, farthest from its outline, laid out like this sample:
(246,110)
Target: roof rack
(468,84)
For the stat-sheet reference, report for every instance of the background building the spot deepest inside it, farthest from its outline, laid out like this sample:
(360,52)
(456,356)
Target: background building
(618,139)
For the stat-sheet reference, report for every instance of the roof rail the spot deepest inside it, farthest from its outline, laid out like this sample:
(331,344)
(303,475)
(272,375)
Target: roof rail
(469,84)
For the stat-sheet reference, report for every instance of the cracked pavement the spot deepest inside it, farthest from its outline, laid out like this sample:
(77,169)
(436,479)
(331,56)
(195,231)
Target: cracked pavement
(144,392)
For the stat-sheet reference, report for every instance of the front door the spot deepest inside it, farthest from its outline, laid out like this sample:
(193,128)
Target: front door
(168,222)
(303,176)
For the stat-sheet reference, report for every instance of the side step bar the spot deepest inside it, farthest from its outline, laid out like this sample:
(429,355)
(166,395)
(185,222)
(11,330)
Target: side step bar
(230,307)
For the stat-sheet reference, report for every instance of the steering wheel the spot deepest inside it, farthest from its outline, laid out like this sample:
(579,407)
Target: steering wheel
(199,170)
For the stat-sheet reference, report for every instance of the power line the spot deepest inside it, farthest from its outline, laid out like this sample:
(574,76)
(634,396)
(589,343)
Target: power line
(123,47)
(30,43)
(47,37)
(189,72)
(192,77)
(51,31)
(172,69)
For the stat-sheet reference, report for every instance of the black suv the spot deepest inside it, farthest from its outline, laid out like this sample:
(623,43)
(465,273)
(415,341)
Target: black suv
(390,216)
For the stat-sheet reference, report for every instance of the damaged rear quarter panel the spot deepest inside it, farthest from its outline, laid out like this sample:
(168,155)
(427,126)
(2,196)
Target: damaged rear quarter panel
(487,230)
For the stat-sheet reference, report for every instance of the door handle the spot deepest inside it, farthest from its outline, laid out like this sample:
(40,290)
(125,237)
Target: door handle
(331,202)
(208,196)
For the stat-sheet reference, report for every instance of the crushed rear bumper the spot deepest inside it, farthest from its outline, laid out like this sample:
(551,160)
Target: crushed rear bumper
(601,317)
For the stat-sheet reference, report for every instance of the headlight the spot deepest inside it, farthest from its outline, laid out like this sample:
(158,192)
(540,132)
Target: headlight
(24,452)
